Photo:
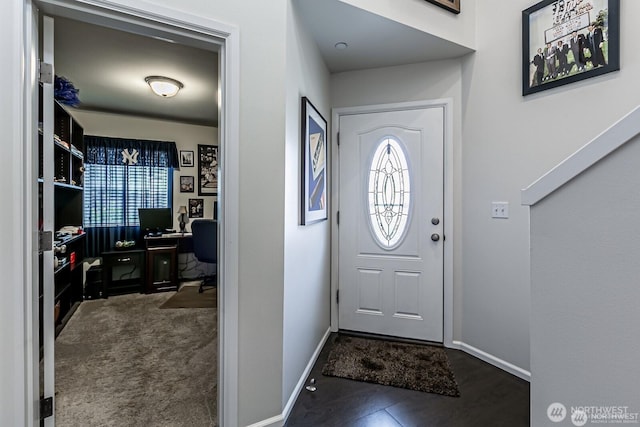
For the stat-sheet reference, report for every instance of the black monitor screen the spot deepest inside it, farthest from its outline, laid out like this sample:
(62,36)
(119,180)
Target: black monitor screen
(155,219)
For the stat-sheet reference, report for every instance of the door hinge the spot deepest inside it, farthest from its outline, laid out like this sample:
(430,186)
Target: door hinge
(338,296)
(46,72)
(46,408)
(338,138)
(338,218)
(45,241)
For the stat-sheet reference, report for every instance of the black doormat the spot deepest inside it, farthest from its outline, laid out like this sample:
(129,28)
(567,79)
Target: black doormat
(189,297)
(410,366)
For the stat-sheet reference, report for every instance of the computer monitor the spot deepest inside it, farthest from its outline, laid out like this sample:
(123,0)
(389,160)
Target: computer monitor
(155,220)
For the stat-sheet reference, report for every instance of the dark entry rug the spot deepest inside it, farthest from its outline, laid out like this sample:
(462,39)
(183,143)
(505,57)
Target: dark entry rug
(411,366)
(189,297)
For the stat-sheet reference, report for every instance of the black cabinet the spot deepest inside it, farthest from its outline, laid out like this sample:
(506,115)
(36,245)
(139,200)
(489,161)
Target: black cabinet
(162,268)
(68,258)
(123,271)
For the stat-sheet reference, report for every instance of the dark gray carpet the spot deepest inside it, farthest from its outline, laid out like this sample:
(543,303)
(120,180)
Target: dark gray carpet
(411,366)
(124,362)
(189,297)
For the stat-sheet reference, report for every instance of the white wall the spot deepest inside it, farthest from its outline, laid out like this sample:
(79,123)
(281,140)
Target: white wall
(12,327)
(432,19)
(506,147)
(186,137)
(584,290)
(262,26)
(307,248)
(429,80)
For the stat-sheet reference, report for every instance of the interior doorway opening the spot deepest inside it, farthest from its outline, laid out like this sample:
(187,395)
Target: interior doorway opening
(190,31)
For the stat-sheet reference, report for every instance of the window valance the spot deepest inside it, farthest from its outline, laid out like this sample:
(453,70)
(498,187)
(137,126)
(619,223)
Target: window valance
(134,152)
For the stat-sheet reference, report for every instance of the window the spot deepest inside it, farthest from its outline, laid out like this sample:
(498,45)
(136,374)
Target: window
(389,193)
(122,175)
(113,193)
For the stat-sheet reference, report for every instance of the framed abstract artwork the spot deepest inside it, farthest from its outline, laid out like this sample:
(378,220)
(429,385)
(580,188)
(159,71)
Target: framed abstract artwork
(568,41)
(313,197)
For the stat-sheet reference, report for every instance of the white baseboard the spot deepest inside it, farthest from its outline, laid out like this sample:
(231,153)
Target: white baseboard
(493,360)
(279,420)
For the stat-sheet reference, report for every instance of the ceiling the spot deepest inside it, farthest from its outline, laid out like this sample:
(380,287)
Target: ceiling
(373,41)
(108,66)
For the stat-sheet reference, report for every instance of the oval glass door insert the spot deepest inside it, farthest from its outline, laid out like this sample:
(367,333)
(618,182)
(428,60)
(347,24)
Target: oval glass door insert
(389,193)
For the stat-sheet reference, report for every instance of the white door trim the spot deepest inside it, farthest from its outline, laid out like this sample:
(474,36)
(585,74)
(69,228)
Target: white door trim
(139,13)
(336,113)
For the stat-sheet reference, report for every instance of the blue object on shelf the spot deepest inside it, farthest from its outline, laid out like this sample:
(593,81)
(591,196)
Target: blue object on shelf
(65,92)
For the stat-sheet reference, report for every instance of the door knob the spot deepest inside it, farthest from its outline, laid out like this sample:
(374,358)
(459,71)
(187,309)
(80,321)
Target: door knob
(435,237)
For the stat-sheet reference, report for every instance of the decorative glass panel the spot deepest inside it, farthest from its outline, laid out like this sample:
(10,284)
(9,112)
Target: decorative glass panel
(389,193)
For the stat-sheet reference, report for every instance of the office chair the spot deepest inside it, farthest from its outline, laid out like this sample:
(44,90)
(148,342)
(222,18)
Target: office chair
(205,245)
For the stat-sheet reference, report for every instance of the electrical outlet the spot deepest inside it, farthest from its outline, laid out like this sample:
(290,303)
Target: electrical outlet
(499,209)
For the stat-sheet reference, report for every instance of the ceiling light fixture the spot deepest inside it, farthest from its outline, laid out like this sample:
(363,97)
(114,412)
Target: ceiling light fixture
(163,86)
(341,45)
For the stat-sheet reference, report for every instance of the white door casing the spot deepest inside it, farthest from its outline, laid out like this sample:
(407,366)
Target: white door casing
(138,14)
(391,247)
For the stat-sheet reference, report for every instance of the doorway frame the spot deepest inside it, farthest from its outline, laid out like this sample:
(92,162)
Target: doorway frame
(448,217)
(142,15)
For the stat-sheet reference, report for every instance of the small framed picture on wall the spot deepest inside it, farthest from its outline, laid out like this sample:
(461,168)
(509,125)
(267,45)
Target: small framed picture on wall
(186,184)
(207,170)
(196,208)
(186,158)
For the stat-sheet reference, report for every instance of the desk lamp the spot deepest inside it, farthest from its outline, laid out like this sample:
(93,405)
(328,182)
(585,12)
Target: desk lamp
(182,217)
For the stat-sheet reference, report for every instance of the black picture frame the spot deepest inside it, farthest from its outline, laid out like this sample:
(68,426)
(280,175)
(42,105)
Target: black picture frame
(555,31)
(207,170)
(313,159)
(196,208)
(187,184)
(186,158)
(450,5)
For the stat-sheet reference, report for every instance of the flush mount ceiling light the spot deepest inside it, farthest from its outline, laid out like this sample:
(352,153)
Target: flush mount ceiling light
(341,45)
(163,86)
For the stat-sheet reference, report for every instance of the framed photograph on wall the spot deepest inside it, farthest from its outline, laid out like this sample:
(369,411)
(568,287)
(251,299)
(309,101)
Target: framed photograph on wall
(207,170)
(186,158)
(568,41)
(186,184)
(313,197)
(450,5)
(196,208)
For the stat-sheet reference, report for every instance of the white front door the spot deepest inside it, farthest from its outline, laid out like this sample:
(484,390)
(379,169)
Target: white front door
(391,223)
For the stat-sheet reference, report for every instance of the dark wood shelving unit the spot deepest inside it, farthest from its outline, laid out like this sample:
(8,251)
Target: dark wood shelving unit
(68,159)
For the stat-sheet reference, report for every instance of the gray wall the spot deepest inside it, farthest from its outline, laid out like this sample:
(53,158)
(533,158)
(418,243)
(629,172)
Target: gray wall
(505,148)
(307,248)
(584,290)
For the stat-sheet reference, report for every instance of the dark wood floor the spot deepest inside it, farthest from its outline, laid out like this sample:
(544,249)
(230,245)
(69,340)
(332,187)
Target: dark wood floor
(489,397)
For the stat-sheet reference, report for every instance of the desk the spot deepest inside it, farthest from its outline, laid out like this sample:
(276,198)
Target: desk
(184,242)
(162,260)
